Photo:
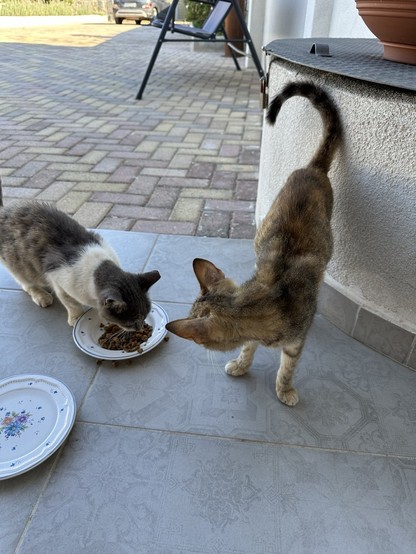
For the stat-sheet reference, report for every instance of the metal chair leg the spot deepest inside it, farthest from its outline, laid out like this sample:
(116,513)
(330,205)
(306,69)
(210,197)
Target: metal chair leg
(169,17)
(247,35)
(234,57)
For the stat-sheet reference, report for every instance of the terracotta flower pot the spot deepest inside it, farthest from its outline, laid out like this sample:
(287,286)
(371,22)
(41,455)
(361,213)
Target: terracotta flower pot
(393,22)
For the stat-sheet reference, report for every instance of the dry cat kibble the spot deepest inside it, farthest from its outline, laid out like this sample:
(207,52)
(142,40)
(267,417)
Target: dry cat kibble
(115,338)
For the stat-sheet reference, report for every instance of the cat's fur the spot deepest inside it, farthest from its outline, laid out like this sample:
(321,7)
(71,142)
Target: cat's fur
(46,250)
(293,246)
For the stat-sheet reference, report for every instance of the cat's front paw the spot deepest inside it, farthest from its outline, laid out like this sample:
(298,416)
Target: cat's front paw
(73,318)
(235,368)
(289,397)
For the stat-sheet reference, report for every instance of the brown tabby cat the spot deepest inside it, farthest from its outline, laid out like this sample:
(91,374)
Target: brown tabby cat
(293,246)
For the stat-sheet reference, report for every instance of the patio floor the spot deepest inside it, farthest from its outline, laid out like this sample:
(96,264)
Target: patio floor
(169,454)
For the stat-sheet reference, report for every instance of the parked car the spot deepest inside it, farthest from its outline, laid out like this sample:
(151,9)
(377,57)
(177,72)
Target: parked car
(137,10)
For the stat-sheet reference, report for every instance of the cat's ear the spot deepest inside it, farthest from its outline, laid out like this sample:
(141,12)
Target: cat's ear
(207,274)
(191,329)
(148,279)
(112,299)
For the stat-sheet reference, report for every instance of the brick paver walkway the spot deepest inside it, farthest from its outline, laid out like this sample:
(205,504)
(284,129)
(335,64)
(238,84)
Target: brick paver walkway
(184,160)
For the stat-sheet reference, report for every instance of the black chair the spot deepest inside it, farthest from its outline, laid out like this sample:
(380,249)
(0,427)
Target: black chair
(207,33)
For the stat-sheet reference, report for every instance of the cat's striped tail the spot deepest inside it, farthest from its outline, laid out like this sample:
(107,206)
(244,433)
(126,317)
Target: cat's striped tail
(329,113)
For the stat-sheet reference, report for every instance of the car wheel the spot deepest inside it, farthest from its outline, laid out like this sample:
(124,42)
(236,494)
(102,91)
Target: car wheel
(119,20)
(138,21)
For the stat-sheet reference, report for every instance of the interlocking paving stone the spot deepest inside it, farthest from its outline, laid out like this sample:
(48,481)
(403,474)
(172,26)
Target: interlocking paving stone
(170,227)
(163,197)
(72,201)
(186,209)
(204,193)
(55,191)
(246,190)
(229,205)
(73,133)
(120,198)
(214,222)
(90,214)
(141,212)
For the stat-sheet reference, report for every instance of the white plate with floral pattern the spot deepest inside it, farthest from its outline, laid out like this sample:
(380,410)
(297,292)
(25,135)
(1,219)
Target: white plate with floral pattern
(37,413)
(88,329)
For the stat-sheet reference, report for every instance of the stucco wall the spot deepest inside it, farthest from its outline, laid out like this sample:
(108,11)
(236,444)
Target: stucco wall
(373,177)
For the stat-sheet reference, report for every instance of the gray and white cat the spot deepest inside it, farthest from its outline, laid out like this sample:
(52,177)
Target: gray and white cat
(46,250)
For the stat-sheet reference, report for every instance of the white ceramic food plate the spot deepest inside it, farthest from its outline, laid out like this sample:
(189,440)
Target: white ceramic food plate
(37,413)
(87,331)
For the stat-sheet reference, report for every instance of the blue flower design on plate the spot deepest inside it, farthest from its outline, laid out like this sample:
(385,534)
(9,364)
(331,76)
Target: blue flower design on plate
(13,424)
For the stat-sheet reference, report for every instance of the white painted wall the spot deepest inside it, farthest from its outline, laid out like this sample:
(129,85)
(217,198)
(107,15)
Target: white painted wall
(334,18)
(273,19)
(345,20)
(284,19)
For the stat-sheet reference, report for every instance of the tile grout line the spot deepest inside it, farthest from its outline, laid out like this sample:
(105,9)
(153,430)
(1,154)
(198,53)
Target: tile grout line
(250,441)
(151,250)
(39,499)
(87,392)
(411,350)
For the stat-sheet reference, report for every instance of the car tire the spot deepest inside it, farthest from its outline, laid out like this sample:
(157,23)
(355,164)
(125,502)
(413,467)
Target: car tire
(119,20)
(138,21)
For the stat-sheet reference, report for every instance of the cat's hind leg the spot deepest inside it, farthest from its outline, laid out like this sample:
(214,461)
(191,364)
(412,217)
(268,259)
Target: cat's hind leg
(241,365)
(289,357)
(39,295)
(35,287)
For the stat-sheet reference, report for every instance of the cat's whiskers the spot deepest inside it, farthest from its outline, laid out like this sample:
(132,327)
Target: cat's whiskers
(121,333)
(212,359)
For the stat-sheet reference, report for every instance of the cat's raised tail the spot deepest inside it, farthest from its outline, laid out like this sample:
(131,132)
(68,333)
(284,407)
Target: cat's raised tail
(329,113)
